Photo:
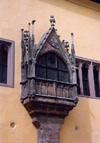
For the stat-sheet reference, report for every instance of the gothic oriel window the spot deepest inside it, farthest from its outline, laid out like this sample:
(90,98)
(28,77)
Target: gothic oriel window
(51,66)
(6,62)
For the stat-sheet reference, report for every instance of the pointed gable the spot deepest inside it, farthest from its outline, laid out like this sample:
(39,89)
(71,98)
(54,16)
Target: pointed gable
(50,42)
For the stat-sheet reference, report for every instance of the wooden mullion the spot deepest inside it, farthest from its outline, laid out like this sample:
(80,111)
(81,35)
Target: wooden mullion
(91,80)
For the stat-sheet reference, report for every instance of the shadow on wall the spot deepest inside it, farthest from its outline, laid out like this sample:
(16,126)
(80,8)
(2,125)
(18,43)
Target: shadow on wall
(77,126)
(72,7)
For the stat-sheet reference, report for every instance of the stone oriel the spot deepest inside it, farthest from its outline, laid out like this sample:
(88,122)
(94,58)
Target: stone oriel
(48,81)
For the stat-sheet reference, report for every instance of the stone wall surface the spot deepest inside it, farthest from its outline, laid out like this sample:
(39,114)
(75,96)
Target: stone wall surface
(82,124)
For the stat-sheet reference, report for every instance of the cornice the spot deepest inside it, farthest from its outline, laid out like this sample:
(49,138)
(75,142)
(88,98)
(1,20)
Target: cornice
(87,3)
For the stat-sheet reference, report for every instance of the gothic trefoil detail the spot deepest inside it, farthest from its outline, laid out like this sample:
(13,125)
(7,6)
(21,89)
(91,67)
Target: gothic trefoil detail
(48,78)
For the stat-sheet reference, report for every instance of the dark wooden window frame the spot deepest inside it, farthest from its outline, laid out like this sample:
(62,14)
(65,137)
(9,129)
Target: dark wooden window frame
(10,62)
(91,63)
(57,69)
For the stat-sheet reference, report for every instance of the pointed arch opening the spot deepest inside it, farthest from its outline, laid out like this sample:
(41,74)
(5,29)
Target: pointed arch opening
(51,66)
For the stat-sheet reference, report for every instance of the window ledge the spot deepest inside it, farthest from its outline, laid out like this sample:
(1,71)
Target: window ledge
(79,95)
(6,85)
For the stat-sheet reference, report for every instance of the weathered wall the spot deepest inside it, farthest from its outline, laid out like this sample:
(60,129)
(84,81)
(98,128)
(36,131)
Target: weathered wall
(85,24)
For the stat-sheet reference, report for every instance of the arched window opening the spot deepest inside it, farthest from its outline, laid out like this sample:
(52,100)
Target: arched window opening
(96,81)
(51,66)
(85,80)
(3,63)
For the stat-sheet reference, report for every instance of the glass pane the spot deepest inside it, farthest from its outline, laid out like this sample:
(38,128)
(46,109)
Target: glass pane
(51,60)
(63,76)
(54,66)
(52,74)
(0,73)
(86,87)
(85,80)
(3,74)
(61,64)
(3,55)
(97,90)
(40,72)
(85,72)
(3,64)
(42,61)
(96,82)
(78,82)
(96,75)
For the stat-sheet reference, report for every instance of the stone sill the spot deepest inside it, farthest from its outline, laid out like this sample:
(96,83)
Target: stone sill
(91,97)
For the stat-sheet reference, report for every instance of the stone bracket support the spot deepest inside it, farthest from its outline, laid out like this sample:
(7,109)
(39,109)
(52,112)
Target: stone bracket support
(48,116)
(48,129)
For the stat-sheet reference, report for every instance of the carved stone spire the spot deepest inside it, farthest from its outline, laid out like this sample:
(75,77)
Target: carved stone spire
(33,39)
(33,26)
(22,60)
(72,49)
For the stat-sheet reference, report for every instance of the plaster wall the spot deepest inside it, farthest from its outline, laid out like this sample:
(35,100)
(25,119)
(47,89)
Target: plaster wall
(82,124)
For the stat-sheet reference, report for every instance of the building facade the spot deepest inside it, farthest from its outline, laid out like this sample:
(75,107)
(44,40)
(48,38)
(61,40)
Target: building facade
(81,18)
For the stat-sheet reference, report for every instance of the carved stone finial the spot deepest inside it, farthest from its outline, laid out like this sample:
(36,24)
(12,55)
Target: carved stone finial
(66,44)
(72,49)
(22,30)
(33,28)
(33,22)
(52,20)
(29,24)
(72,34)
(26,35)
(63,41)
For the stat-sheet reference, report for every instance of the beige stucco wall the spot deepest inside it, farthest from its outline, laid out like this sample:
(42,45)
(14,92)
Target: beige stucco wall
(85,24)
